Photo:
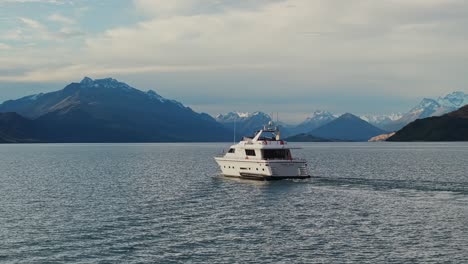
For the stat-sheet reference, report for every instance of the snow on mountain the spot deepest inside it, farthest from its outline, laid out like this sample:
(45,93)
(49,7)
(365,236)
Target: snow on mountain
(239,116)
(247,115)
(453,100)
(109,83)
(430,107)
(244,123)
(153,95)
(435,107)
(316,119)
(381,121)
(389,122)
(381,118)
(321,115)
(426,108)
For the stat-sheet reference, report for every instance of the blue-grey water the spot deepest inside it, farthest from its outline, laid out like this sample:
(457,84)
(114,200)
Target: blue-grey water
(166,203)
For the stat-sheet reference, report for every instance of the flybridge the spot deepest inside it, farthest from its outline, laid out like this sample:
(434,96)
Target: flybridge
(267,138)
(269,132)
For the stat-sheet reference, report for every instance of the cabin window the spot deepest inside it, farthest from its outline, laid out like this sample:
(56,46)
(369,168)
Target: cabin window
(276,154)
(232,150)
(250,152)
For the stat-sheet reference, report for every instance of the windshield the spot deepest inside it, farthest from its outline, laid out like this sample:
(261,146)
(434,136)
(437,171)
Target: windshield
(276,154)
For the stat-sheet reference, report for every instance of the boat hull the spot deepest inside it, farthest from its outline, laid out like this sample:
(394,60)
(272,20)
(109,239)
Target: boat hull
(265,170)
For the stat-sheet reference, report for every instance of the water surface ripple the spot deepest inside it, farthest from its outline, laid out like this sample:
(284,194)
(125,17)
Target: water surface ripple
(166,203)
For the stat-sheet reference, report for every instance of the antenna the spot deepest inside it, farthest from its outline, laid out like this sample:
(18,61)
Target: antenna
(278,134)
(234,136)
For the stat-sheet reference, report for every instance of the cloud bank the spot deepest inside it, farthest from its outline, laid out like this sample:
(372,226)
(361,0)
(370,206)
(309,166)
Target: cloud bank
(387,48)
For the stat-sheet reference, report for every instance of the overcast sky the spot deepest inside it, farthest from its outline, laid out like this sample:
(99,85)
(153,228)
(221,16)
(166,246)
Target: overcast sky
(286,56)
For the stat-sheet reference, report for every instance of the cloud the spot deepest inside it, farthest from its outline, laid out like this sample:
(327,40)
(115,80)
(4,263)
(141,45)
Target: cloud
(4,46)
(15,34)
(33,1)
(67,33)
(37,30)
(70,72)
(32,23)
(163,7)
(61,19)
(344,35)
(405,47)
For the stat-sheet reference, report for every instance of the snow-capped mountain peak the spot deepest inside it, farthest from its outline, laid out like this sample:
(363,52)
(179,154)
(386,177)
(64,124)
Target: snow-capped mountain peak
(243,115)
(321,115)
(239,116)
(376,118)
(431,107)
(425,104)
(314,120)
(109,83)
(153,95)
(244,123)
(86,81)
(455,99)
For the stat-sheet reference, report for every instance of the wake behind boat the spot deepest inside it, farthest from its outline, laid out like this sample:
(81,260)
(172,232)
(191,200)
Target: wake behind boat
(262,157)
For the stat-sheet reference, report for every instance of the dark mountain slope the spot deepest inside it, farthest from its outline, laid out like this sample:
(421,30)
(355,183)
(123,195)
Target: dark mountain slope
(15,128)
(449,127)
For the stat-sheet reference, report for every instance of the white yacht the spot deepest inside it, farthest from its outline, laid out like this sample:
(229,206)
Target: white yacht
(262,157)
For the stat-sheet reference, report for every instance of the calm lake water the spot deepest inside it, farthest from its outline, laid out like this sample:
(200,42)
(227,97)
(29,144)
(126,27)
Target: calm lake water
(166,203)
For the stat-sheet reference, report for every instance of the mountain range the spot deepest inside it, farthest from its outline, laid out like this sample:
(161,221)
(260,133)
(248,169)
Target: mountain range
(391,122)
(449,127)
(323,125)
(243,123)
(429,107)
(382,121)
(105,110)
(320,126)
